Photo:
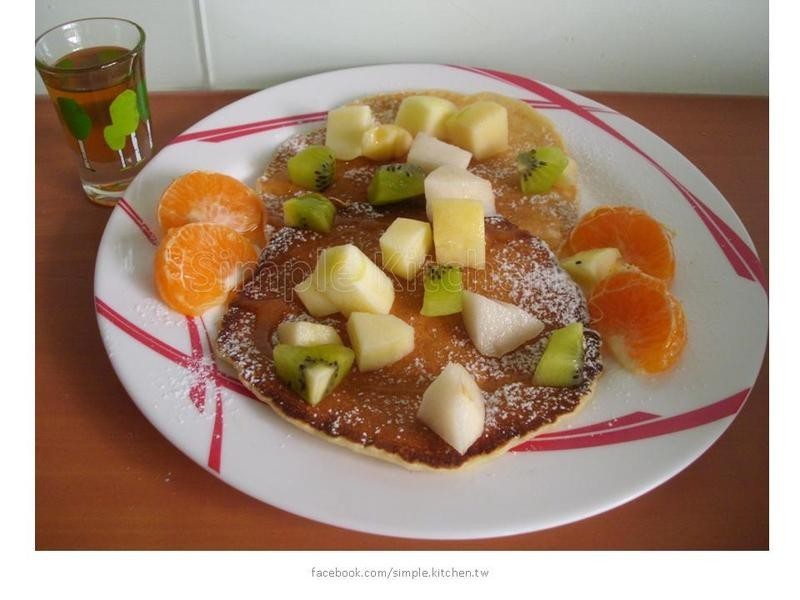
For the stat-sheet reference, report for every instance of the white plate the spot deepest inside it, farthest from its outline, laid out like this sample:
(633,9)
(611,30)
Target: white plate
(636,432)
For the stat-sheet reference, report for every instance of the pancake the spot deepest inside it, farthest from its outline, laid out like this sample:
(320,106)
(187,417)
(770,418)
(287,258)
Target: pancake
(375,412)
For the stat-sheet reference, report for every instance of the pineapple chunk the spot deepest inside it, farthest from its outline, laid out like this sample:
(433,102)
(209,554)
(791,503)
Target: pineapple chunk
(453,407)
(452,182)
(379,340)
(426,114)
(429,153)
(351,281)
(404,246)
(345,130)
(305,333)
(317,304)
(481,128)
(459,235)
(385,142)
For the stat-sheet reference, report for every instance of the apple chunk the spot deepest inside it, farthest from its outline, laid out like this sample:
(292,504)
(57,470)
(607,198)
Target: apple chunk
(428,153)
(481,128)
(317,304)
(306,333)
(404,246)
(454,182)
(345,129)
(379,340)
(453,408)
(459,233)
(351,281)
(496,327)
(427,114)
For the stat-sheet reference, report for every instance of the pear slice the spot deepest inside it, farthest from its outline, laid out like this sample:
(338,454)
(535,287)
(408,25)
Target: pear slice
(453,407)
(496,327)
(453,182)
(306,333)
(428,153)
(379,340)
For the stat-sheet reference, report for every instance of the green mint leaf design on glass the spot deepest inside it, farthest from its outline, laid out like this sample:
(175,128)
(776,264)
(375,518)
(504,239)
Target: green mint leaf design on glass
(78,123)
(124,121)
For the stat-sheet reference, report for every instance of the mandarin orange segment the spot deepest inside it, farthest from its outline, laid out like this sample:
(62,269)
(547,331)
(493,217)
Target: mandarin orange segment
(206,197)
(643,241)
(641,322)
(198,264)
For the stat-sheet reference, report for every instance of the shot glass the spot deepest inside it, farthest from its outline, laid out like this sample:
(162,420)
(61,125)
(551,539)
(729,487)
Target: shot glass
(94,73)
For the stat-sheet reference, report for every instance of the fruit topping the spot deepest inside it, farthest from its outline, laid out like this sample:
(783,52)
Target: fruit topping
(429,153)
(385,142)
(481,128)
(351,281)
(442,291)
(642,241)
(312,168)
(452,406)
(561,365)
(306,333)
(309,211)
(404,246)
(205,197)
(394,183)
(496,327)
(540,168)
(459,233)
(454,182)
(379,340)
(426,114)
(589,267)
(641,322)
(197,265)
(345,130)
(312,371)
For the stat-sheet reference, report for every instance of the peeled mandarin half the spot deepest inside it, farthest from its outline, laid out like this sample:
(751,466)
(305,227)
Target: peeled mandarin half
(198,264)
(642,241)
(641,322)
(206,197)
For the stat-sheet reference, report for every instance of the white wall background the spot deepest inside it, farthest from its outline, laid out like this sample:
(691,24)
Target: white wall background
(687,46)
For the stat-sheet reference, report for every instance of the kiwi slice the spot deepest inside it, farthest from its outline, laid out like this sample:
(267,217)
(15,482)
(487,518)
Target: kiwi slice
(312,168)
(309,211)
(561,364)
(442,291)
(312,371)
(540,168)
(396,182)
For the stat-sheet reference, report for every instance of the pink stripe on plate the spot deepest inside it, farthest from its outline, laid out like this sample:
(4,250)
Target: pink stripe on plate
(695,418)
(196,135)
(138,221)
(603,426)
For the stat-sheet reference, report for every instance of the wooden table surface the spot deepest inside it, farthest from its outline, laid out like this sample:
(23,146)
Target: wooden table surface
(106,479)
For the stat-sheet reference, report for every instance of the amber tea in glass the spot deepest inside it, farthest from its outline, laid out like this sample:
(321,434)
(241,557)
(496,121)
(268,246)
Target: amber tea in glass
(94,73)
